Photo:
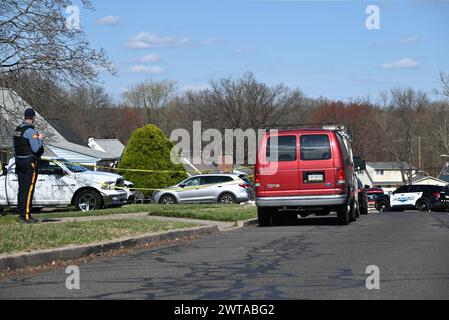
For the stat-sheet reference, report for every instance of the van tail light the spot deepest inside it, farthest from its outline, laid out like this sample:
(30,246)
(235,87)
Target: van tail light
(437,195)
(257,182)
(341,177)
(360,190)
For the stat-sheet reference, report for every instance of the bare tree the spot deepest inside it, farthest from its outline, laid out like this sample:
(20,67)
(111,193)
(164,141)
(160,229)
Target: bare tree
(34,38)
(244,103)
(152,96)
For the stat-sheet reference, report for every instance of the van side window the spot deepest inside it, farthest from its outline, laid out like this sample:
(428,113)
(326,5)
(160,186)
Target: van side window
(315,147)
(285,151)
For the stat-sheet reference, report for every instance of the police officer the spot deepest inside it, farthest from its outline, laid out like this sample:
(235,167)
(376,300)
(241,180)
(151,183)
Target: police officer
(28,149)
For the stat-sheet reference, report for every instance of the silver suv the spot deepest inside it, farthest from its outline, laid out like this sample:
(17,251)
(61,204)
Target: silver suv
(208,188)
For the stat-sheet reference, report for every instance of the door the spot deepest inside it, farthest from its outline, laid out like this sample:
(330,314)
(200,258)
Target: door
(405,196)
(280,169)
(212,187)
(190,190)
(51,187)
(316,165)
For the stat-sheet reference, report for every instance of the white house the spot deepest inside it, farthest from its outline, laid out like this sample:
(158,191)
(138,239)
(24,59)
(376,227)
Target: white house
(386,175)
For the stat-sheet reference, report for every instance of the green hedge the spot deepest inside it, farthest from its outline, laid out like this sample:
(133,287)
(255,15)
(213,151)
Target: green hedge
(149,149)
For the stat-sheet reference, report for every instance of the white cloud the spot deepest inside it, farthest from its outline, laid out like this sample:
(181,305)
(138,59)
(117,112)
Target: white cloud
(409,40)
(146,40)
(152,57)
(147,69)
(405,63)
(109,21)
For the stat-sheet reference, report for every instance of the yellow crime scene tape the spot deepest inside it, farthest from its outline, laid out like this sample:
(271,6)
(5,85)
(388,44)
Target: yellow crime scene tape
(235,182)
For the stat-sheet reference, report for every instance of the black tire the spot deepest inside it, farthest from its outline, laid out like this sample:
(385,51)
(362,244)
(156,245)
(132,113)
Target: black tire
(353,212)
(264,216)
(343,215)
(88,200)
(381,206)
(167,200)
(227,198)
(423,206)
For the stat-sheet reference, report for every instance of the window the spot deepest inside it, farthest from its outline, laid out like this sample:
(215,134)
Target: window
(192,182)
(315,147)
(49,167)
(215,179)
(285,151)
(379,172)
(402,189)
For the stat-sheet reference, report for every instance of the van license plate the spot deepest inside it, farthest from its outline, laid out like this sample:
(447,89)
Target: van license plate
(315,177)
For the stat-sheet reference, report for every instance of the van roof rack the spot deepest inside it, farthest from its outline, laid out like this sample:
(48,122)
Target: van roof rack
(341,128)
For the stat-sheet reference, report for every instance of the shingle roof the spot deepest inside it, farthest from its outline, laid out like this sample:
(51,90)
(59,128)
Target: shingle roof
(12,107)
(111,146)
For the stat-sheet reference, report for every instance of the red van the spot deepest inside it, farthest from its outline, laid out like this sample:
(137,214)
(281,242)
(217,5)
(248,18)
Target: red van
(305,171)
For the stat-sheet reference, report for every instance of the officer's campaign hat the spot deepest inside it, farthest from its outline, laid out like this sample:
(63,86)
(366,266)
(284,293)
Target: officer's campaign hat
(29,113)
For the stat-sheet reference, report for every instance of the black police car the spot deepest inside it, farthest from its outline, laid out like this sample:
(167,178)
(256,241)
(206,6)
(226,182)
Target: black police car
(411,197)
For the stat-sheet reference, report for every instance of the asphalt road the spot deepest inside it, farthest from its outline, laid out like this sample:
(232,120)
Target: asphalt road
(312,259)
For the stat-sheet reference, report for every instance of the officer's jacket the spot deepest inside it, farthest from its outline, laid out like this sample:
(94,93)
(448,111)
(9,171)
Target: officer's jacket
(26,142)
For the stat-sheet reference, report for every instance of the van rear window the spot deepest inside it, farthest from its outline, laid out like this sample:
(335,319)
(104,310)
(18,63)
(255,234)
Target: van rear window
(284,151)
(315,147)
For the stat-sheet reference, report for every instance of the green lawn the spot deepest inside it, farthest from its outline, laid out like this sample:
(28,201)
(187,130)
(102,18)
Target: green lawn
(232,213)
(197,211)
(19,237)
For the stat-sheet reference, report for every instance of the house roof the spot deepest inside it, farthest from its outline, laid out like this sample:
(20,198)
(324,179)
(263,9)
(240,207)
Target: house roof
(422,178)
(112,147)
(389,165)
(12,107)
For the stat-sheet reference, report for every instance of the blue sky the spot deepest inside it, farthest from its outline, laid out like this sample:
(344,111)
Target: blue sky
(320,47)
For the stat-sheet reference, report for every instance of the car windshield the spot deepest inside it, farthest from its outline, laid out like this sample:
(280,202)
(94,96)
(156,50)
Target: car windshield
(74,167)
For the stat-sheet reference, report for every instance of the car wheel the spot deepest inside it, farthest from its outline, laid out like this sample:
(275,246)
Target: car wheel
(343,215)
(264,216)
(423,206)
(354,212)
(227,198)
(167,200)
(88,200)
(381,206)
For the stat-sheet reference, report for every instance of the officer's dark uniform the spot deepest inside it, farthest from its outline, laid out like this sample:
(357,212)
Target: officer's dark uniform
(28,150)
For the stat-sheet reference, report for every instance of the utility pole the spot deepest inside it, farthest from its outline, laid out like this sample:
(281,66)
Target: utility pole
(419,152)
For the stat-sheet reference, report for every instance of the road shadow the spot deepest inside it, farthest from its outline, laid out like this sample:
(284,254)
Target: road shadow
(309,221)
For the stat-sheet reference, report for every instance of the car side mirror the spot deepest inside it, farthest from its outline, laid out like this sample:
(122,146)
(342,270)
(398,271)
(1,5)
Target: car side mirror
(182,185)
(367,186)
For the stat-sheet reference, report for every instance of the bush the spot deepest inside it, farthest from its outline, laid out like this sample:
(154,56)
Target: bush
(149,149)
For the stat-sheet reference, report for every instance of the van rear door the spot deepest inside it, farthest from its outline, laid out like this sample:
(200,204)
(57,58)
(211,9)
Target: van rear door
(317,172)
(278,166)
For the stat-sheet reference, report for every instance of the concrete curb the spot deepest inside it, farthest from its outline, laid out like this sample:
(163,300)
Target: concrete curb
(43,257)
(248,223)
